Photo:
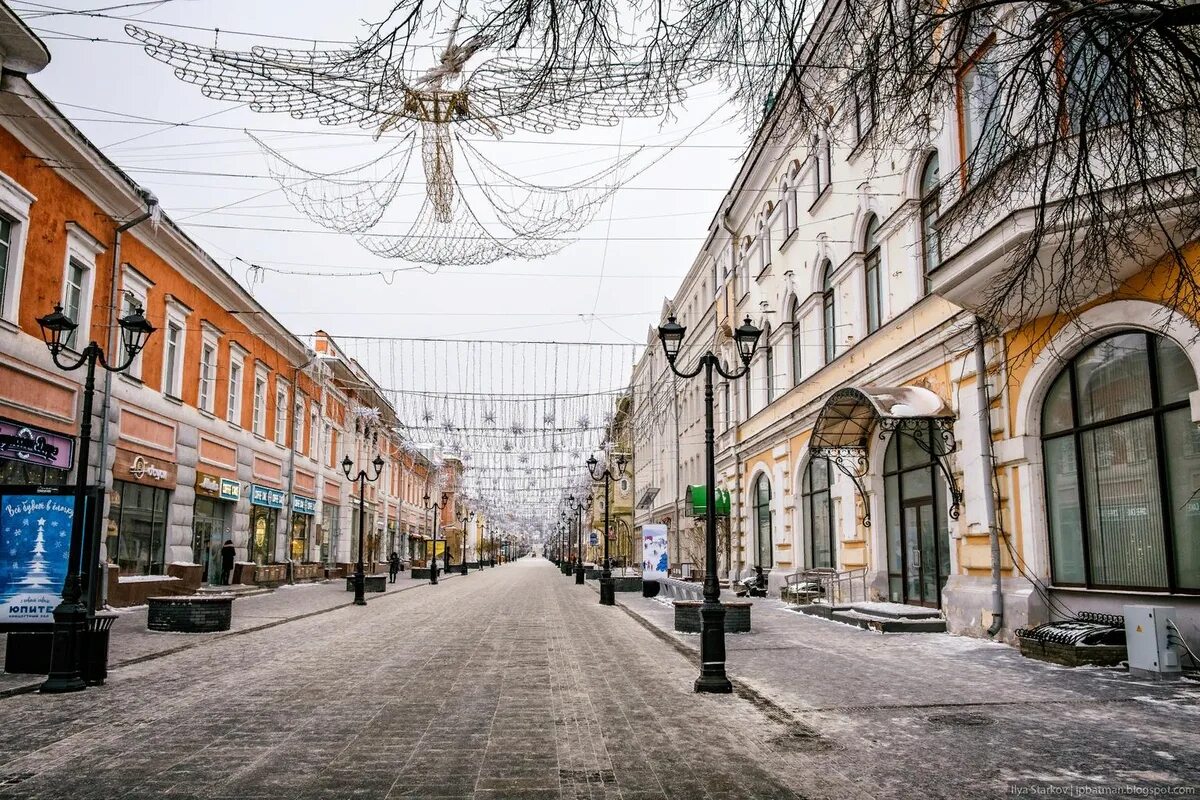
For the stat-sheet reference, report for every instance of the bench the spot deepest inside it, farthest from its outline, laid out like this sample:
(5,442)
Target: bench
(190,613)
(737,616)
(371,583)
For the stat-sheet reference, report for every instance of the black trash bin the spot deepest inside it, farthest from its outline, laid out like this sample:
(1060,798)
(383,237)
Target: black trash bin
(94,665)
(650,588)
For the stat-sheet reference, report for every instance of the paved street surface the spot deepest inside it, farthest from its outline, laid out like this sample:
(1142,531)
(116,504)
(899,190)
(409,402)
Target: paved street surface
(514,682)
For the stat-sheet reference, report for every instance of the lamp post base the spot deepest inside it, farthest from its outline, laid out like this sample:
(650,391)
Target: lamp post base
(713,679)
(433,570)
(579,574)
(70,621)
(360,582)
(608,595)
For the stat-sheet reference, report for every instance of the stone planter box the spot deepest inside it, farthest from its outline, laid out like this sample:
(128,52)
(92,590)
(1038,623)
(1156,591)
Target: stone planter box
(133,590)
(737,616)
(307,572)
(627,583)
(422,573)
(590,573)
(270,574)
(371,583)
(199,614)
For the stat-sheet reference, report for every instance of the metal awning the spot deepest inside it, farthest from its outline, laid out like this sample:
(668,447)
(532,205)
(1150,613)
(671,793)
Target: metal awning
(852,415)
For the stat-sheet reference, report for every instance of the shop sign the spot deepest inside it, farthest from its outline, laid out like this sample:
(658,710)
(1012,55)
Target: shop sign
(593,538)
(230,490)
(138,468)
(35,446)
(266,496)
(208,485)
(304,505)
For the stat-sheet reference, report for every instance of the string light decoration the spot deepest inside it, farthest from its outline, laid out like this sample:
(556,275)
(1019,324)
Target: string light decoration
(519,415)
(377,85)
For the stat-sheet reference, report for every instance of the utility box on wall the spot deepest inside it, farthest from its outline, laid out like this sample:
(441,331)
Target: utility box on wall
(1148,634)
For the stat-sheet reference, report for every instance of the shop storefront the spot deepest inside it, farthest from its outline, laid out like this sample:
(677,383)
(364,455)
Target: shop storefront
(303,510)
(370,535)
(31,456)
(265,505)
(212,521)
(330,532)
(137,521)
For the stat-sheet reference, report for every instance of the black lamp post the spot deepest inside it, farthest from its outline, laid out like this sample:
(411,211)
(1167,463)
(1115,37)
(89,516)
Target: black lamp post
(360,580)
(491,546)
(584,502)
(712,613)
(436,508)
(70,616)
(465,518)
(607,595)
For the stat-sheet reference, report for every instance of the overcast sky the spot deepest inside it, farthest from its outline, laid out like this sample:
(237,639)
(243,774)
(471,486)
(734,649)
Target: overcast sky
(606,287)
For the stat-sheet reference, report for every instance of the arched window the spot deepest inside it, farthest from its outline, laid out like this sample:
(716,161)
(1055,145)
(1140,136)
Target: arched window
(817,505)
(768,365)
(797,343)
(829,312)
(1122,457)
(762,520)
(931,246)
(871,272)
(918,538)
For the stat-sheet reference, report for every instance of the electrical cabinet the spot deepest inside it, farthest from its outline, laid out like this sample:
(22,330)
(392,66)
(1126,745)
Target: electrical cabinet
(1148,632)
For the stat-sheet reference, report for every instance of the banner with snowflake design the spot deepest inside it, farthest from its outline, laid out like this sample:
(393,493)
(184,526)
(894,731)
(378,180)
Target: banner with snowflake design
(35,541)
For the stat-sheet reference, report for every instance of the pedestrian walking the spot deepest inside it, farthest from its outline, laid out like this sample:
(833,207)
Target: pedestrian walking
(394,566)
(228,553)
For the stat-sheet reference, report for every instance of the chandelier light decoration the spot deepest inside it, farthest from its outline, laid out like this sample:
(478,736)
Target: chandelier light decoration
(474,212)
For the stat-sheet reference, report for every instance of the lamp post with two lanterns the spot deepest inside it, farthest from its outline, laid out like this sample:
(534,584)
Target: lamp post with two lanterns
(465,518)
(606,476)
(362,478)
(712,613)
(70,616)
(436,508)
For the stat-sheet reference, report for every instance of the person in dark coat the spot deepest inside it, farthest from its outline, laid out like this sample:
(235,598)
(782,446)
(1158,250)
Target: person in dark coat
(228,553)
(394,566)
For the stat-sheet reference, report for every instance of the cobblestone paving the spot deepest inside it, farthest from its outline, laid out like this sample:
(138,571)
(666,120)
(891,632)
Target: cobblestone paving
(511,682)
(934,715)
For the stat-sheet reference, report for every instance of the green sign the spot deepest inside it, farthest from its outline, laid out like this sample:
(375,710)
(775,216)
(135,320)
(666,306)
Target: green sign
(696,501)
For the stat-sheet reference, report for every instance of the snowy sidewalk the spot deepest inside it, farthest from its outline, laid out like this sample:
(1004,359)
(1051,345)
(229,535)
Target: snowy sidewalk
(131,642)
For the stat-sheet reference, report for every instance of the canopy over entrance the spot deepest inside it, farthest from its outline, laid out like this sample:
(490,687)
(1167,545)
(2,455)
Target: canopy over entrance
(845,425)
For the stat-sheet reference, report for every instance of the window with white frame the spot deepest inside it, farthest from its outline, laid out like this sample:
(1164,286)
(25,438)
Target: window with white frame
(79,282)
(281,412)
(233,408)
(822,164)
(14,223)
(207,397)
(135,294)
(864,112)
(312,431)
(979,113)
(174,341)
(259,416)
(298,423)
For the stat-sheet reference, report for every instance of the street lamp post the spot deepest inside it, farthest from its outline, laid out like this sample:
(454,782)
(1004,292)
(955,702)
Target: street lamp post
(491,546)
(436,508)
(466,517)
(70,616)
(607,594)
(360,579)
(579,507)
(712,613)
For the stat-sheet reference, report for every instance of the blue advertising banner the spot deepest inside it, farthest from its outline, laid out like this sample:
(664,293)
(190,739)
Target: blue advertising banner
(304,505)
(266,496)
(654,552)
(35,541)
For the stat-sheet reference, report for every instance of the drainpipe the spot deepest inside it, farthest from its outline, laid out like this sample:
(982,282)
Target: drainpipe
(94,590)
(987,467)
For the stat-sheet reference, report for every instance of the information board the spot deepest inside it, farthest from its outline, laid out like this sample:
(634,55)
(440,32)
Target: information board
(35,542)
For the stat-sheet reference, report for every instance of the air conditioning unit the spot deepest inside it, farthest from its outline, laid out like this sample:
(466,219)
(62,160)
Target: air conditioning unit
(1148,633)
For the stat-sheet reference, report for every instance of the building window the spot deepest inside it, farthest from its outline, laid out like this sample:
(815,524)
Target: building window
(137,539)
(172,358)
(136,292)
(931,246)
(762,521)
(7,227)
(871,270)
(1122,460)
(823,162)
(233,411)
(829,312)
(281,414)
(264,522)
(979,114)
(797,341)
(817,506)
(208,375)
(769,366)
(312,432)
(260,404)
(298,424)
(864,114)
(74,292)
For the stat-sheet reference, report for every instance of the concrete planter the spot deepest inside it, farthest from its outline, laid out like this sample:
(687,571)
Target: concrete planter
(737,616)
(371,583)
(627,583)
(422,573)
(199,614)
